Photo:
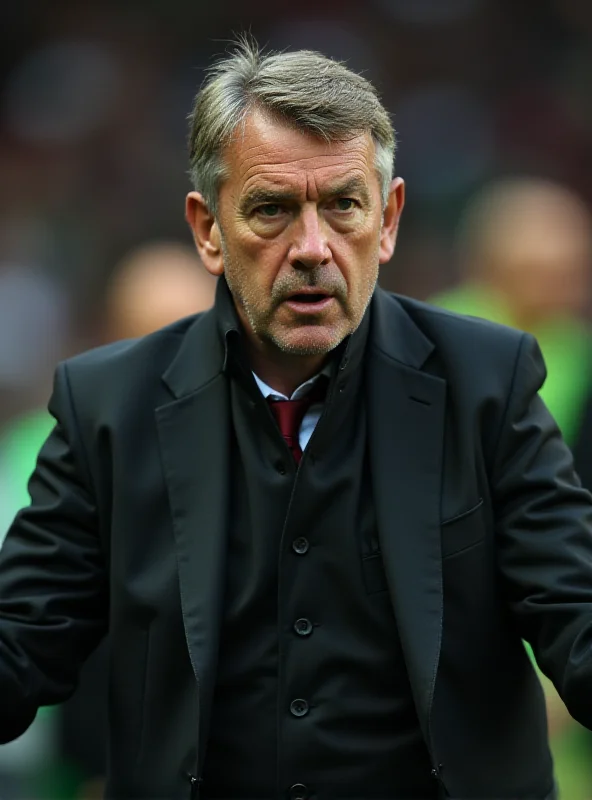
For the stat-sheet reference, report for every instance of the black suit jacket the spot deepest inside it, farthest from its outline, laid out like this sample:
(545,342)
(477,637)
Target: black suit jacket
(582,448)
(485,534)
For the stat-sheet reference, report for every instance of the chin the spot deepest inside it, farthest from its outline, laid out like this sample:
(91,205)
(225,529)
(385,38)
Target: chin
(309,342)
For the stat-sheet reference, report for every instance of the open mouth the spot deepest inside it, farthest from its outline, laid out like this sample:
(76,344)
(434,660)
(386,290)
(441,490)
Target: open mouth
(309,302)
(308,298)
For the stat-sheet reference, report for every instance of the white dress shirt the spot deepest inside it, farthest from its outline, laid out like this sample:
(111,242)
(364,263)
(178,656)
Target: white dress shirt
(313,414)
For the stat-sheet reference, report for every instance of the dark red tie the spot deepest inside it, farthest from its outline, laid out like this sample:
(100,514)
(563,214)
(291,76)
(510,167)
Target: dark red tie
(290,413)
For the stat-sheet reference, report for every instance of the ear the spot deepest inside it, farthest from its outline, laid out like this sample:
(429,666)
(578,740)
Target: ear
(390,220)
(206,233)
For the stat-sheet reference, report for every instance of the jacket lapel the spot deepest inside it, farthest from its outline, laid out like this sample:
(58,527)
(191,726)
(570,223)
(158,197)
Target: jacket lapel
(194,436)
(406,432)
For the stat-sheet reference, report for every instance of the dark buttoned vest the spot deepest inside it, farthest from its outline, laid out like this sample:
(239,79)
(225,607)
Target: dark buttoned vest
(312,697)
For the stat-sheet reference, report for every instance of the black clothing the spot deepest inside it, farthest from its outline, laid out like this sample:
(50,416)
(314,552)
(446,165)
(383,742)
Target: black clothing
(582,449)
(484,532)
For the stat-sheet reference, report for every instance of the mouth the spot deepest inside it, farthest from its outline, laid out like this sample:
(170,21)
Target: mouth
(309,302)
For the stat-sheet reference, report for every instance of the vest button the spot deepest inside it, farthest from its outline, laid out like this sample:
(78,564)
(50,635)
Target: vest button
(300,545)
(299,708)
(303,627)
(298,792)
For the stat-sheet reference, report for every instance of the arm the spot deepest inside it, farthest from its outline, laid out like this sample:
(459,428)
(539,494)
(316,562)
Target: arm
(53,594)
(544,536)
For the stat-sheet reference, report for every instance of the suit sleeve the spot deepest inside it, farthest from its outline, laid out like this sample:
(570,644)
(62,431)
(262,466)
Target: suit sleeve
(582,449)
(544,536)
(53,596)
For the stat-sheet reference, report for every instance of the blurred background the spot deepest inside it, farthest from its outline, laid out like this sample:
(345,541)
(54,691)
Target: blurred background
(492,101)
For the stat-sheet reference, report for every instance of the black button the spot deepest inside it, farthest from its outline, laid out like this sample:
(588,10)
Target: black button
(299,708)
(300,545)
(342,386)
(344,362)
(281,467)
(303,627)
(298,792)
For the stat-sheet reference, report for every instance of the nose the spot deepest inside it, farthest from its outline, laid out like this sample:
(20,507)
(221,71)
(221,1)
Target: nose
(309,247)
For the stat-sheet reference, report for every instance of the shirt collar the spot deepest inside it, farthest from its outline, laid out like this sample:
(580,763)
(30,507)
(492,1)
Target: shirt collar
(301,391)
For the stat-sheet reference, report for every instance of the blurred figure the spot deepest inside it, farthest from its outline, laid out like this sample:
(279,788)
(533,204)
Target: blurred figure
(524,247)
(154,285)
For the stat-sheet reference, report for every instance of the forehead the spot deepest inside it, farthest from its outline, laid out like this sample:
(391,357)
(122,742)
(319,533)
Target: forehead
(266,152)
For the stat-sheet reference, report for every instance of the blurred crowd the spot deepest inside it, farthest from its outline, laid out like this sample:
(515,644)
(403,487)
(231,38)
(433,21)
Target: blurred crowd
(492,103)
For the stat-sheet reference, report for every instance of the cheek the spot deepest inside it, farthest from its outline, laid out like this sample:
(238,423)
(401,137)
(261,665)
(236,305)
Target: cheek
(357,255)
(258,249)
(254,259)
(258,280)
(266,265)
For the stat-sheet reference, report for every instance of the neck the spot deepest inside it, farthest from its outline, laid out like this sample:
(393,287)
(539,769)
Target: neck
(284,372)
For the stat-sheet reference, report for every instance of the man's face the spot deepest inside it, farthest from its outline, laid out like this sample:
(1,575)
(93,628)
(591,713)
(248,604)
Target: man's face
(301,234)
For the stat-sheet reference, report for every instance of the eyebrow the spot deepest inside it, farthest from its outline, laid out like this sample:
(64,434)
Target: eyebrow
(261,196)
(354,185)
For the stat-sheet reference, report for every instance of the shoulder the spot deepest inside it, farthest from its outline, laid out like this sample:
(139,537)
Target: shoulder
(476,357)
(462,343)
(128,370)
(446,327)
(152,352)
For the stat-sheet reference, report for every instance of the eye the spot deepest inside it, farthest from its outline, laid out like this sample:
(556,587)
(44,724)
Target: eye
(345,204)
(269,210)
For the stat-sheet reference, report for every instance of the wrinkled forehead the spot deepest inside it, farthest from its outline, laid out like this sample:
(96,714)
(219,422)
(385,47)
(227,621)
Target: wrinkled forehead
(270,152)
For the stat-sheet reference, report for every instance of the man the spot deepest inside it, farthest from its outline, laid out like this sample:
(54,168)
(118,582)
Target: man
(304,602)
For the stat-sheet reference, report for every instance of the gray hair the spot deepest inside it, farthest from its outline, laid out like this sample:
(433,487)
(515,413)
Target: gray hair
(303,88)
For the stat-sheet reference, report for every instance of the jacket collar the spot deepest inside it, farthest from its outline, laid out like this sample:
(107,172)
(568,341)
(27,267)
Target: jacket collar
(201,356)
(395,333)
